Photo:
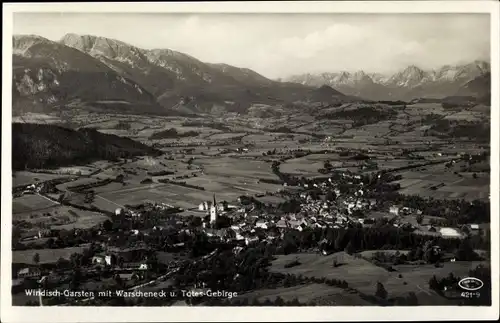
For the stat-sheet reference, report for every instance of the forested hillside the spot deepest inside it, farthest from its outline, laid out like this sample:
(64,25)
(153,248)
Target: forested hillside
(47,146)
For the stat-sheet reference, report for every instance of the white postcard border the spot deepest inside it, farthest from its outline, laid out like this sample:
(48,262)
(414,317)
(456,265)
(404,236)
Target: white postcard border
(244,314)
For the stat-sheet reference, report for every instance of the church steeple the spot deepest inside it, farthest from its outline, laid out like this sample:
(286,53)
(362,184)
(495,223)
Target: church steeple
(213,211)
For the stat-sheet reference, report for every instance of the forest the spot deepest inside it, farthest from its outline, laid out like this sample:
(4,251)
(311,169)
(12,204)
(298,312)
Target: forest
(51,146)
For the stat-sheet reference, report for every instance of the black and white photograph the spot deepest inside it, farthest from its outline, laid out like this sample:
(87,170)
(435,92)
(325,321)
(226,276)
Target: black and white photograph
(285,160)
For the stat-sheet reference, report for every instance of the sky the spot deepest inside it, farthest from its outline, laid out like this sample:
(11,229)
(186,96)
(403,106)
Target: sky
(281,45)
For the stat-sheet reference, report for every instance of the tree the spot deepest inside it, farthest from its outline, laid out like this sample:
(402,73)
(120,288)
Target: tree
(465,251)
(107,225)
(339,241)
(350,249)
(36,258)
(381,292)
(62,263)
(279,301)
(75,279)
(412,299)
(89,197)
(433,283)
(331,196)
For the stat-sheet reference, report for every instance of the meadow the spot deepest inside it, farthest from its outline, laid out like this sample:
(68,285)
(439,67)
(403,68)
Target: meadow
(30,202)
(61,217)
(321,294)
(25,178)
(47,256)
(363,275)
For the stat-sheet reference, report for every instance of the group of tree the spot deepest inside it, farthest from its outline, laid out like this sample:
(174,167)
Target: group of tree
(363,115)
(48,146)
(172,133)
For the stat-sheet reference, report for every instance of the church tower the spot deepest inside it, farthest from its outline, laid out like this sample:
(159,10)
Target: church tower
(213,211)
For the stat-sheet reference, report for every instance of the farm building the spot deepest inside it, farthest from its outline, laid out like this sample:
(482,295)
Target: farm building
(44,233)
(29,272)
(103,260)
(450,232)
(474,226)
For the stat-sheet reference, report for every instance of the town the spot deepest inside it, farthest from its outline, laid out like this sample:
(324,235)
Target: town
(154,246)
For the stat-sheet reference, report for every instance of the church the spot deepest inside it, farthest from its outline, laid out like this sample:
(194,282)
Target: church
(214,212)
(212,208)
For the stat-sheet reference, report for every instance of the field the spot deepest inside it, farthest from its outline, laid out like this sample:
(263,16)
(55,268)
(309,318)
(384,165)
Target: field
(226,177)
(324,127)
(46,255)
(30,202)
(229,167)
(321,294)
(309,165)
(235,186)
(226,135)
(466,116)
(32,117)
(422,109)
(184,197)
(61,217)
(457,186)
(26,178)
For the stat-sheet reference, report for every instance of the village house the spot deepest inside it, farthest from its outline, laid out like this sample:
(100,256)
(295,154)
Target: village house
(394,210)
(474,226)
(103,260)
(136,265)
(44,233)
(251,240)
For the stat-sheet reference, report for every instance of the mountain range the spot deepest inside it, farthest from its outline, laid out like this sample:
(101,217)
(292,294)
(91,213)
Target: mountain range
(97,71)
(102,73)
(471,79)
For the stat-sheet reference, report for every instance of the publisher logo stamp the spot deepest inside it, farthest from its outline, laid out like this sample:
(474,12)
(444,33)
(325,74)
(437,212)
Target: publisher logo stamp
(470,283)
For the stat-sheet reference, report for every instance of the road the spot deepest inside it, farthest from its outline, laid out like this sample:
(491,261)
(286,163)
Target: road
(49,199)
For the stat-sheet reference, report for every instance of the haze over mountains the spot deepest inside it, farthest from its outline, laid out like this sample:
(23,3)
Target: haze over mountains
(101,72)
(465,80)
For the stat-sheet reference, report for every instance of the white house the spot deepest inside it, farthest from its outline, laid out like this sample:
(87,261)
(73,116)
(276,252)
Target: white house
(394,210)
(474,226)
(262,224)
(203,206)
(102,260)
